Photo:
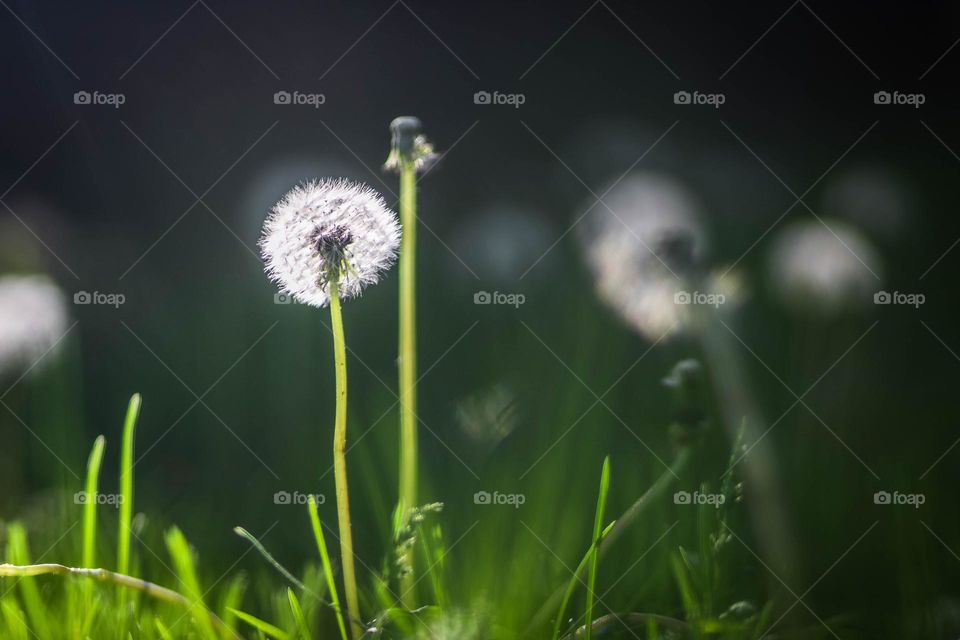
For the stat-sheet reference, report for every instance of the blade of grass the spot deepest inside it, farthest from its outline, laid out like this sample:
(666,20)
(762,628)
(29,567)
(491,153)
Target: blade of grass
(90,503)
(327,568)
(18,552)
(249,537)
(126,485)
(263,627)
(186,570)
(298,615)
(620,525)
(572,583)
(595,555)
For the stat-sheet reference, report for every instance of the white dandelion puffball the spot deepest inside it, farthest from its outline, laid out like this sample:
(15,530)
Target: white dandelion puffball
(824,267)
(33,319)
(324,229)
(640,246)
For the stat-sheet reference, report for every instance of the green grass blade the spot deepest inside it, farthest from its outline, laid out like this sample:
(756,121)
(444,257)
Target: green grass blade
(572,583)
(597,530)
(126,485)
(243,533)
(263,627)
(18,552)
(327,568)
(186,571)
(90,503)
(162,629)
(14,624)
(298,615)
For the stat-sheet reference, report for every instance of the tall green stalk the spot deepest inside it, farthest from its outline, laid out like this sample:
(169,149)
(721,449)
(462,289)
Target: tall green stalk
(340,462)
(408,337)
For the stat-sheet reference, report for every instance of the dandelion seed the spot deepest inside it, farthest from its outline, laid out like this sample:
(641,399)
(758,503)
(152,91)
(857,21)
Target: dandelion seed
(329,229)
(824,267)
(33,318)
(643,247)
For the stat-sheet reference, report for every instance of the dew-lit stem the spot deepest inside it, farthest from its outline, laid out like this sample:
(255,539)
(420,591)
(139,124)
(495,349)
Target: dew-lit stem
(340,461)
(408,354)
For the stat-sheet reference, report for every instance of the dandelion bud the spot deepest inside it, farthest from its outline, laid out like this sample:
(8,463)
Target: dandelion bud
(408,144)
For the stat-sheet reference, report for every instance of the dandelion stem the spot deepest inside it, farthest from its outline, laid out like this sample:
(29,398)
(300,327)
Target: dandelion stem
(408,354)
(340,461)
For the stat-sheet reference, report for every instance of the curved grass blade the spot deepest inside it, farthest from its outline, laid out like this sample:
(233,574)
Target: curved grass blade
(327,568)
(126,484)
(595,555)
(265,628)
(90,503)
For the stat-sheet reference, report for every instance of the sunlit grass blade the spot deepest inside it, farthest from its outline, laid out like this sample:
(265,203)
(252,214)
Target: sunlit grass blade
(15,626)
(231,599)
(126,485)
(327,568)
(182,557)
(18,552)
(90,503)
(597,530)
(265,628)
(162,630)
(297,611)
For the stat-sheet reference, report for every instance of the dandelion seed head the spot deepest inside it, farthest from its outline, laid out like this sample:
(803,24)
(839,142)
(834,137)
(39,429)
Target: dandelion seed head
(824,267)
(329,229)
(33,318)
(641,247)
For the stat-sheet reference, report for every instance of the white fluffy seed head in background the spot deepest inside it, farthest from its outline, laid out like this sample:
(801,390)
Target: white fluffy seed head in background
(319,214)
(33,319)
(640,246)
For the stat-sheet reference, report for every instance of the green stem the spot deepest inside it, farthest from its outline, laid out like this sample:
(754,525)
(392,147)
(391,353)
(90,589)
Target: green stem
(340,462)
(102,575)
(597,529)
(408,355)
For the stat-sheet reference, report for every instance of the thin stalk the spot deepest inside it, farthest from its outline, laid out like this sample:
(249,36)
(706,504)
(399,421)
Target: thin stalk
(340,462)
(90,503)
(408,356)
(102,575)
(126,485)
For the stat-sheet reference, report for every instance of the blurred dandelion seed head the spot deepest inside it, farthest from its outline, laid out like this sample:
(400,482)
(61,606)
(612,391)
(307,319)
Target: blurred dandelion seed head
(643,247)
(824,268)
(324,229)
(489,416)
(33,318)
